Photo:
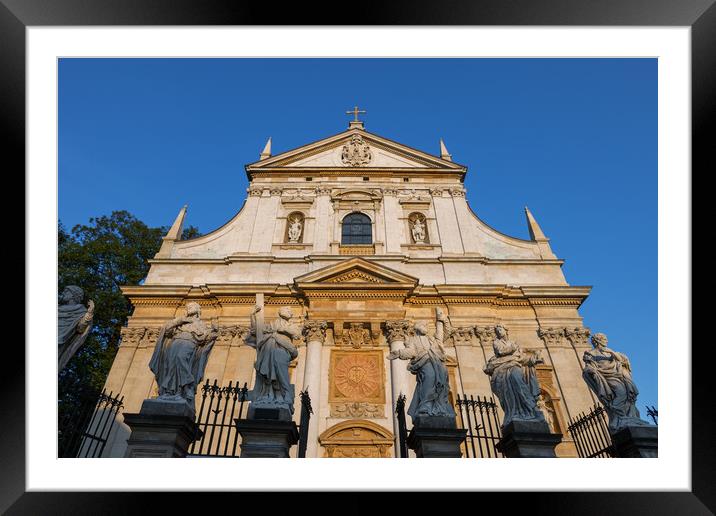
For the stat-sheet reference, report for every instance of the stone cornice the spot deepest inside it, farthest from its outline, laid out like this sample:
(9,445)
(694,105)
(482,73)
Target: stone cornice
(355,171)
(534,292)
(547,291)
(155,290)
(334,257)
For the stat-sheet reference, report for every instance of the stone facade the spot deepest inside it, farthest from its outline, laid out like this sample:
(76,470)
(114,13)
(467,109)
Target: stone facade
(358,300)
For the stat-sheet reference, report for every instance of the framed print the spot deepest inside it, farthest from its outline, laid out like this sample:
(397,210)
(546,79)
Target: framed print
(359,289)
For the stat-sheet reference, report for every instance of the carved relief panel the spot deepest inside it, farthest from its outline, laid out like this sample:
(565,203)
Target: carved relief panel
(356,335)
(357,439)
(357,384)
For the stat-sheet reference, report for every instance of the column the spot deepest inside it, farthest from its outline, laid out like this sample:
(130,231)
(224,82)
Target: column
(315,333)
(396,331)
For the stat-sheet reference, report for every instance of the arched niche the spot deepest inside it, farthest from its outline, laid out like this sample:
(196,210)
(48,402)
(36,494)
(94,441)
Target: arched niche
(295,228)
(418,226)
(357,438)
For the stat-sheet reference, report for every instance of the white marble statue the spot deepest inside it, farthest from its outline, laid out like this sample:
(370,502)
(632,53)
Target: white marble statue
(294,229)
(513,379)
(274,352)
(427,362)
(74,322)
(181,353)
(418,231)
(608,374)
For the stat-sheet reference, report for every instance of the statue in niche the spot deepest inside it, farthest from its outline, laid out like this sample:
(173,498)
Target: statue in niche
(295,228)
(544,404)
(427,362)
(180,355)
(74,322)
(608,375)
(513,379)
(274,352)
(418,228)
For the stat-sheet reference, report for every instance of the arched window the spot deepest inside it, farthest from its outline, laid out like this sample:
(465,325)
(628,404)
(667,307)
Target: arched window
(356,229)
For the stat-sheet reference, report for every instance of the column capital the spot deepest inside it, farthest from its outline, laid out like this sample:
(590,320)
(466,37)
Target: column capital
(462,335)
(131,336)
(315,331)
(552,337)
(579,337)
(396,330)
(486,335)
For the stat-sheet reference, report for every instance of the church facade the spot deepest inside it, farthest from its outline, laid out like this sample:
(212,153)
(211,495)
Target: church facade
(361,236)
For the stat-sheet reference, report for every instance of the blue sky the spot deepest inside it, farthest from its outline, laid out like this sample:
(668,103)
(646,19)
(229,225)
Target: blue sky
(573,139)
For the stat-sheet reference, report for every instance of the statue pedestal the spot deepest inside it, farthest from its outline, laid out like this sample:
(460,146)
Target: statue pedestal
(266,437)
(528,439)
(637,441)
(436,437)
(161,429)
(268,431)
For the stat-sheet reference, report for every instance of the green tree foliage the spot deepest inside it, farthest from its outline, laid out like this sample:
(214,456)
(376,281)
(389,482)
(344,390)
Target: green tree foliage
(101,256)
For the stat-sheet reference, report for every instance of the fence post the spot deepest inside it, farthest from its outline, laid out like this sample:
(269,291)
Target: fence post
(306,411)
(402,429)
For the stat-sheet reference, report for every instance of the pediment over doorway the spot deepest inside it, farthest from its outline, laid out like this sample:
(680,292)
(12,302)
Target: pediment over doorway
(356,272)
(357,439)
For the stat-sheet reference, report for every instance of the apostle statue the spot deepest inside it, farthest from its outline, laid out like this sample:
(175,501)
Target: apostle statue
(180,355)
(74,321)
(418,231)
(274,352)
(513,379)
(608,374)
(427,362)
(294,229)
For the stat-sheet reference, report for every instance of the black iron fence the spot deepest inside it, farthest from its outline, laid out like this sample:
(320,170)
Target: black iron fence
(220,405)
(84,433)
(219,408)
(479,417)
(590,432)
(402,428)
(306,411)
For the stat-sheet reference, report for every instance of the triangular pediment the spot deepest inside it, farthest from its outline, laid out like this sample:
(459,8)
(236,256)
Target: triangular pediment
(354,149)
(355,272)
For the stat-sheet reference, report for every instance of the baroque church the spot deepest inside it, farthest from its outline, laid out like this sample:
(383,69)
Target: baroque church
(361,237)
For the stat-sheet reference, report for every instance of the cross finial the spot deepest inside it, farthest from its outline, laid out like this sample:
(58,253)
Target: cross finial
(355,123)
(355,111)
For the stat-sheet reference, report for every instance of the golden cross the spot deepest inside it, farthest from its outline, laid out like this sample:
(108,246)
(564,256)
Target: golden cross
(355,112)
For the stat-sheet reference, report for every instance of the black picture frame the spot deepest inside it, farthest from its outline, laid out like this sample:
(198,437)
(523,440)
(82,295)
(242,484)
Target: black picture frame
(700,15)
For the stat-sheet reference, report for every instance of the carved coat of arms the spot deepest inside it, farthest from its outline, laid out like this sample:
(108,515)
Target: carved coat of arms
(357,336)
(356,153)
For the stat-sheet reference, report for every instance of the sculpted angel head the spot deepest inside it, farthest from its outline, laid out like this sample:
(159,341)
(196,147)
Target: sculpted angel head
(500,332)
(285,312)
